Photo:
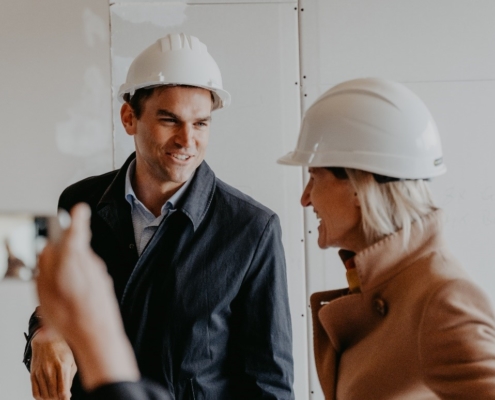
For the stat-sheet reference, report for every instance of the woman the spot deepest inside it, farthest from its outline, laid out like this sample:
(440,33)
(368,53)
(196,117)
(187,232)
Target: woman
(411,325)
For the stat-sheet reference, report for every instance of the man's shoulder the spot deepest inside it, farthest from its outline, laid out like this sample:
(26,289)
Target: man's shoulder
(240,202)
(88,190)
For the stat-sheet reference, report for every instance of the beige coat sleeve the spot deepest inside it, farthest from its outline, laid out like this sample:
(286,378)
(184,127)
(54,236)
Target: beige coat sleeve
(457,342)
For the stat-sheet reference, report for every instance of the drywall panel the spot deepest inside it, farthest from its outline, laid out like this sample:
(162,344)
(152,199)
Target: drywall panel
(408,41)
(56,128)
(55,105)
(136,2)
(256,47)
(442,50)
(465,115)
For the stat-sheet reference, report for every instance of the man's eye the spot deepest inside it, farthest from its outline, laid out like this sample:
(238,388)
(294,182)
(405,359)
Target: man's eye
(168,120)
(201,124)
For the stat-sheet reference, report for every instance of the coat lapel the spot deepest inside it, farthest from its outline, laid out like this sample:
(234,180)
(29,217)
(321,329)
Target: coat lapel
(326,356)
(115,211)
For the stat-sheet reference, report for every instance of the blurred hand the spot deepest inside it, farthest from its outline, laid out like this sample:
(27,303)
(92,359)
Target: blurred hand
(77,300)
(52,367)
(74,287)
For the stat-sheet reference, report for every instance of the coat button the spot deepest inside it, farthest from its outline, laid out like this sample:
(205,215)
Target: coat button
(380,306)
(131,246)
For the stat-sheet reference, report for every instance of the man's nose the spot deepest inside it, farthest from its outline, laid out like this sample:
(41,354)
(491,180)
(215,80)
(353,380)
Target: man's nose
(185,136)
(305,198)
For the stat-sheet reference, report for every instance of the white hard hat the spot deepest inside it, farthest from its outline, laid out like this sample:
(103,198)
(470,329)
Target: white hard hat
(373,125)
(176,59)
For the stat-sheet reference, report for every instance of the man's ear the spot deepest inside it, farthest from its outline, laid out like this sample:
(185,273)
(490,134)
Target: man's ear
(128,119)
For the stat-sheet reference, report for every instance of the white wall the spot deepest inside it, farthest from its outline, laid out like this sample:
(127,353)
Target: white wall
(56,128)
(55,103)
(17,302)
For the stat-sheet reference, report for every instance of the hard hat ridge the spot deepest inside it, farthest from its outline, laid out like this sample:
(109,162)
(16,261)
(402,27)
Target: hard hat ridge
(181,41)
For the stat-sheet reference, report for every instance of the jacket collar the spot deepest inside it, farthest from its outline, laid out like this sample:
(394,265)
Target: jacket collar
(194,204)
(115,192)
(386,258)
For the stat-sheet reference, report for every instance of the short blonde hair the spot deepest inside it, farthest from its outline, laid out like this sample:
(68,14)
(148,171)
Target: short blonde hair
(389,207)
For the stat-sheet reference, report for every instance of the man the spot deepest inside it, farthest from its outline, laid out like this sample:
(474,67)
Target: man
(198,267)
(76,295)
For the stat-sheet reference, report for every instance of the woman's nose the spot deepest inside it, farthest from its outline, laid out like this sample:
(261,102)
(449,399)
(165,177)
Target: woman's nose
(305,198)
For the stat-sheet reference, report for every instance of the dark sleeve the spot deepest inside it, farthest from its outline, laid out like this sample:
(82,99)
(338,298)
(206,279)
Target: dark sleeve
(142,390)
(262,323)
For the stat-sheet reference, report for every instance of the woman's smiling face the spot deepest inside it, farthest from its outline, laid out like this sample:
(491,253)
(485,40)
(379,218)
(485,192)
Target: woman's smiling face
(337,207)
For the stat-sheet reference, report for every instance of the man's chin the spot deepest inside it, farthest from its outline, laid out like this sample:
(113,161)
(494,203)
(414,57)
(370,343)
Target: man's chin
(180,178)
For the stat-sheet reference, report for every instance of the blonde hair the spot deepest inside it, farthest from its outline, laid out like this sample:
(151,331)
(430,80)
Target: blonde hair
(389,207)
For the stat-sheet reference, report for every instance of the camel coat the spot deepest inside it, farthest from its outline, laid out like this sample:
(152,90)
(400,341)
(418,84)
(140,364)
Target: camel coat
(420,329)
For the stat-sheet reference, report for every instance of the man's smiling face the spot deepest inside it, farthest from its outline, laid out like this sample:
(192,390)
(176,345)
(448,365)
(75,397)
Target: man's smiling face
(171,135)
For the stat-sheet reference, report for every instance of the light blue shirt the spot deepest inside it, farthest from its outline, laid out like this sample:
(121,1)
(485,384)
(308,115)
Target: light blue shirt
(144,222)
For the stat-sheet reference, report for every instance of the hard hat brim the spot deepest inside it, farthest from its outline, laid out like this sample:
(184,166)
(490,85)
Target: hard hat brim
(404,167)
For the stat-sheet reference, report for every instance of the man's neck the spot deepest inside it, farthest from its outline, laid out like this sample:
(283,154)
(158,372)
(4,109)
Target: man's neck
(153,193)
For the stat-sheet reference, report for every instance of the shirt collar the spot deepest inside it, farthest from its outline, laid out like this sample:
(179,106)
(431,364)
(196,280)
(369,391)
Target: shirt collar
(132,199)
(195,205)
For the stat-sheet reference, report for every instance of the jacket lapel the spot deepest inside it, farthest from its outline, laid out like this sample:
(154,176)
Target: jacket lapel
(326,356)
(154,274)
(115,211)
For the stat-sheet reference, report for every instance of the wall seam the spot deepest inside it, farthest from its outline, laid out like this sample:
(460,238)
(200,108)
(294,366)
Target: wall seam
(111,81)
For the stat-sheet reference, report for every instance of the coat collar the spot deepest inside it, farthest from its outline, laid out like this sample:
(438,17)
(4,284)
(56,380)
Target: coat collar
(194,204)
(386,258)
(341,319)
(115,192)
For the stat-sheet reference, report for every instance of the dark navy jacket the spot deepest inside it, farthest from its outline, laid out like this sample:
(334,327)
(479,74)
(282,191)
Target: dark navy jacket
(142,390)
(205,306)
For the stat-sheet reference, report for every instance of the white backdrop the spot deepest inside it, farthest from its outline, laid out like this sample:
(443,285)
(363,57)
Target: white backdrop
(55,104)
(56,128)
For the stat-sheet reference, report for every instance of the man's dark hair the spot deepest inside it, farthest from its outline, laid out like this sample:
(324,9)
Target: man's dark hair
(137,100)
(141,95)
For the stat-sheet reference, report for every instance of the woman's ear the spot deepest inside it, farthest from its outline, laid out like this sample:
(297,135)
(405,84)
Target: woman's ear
(128,119)
(357,203)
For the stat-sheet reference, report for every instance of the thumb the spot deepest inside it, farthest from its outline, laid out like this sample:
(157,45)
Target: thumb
(80,226)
